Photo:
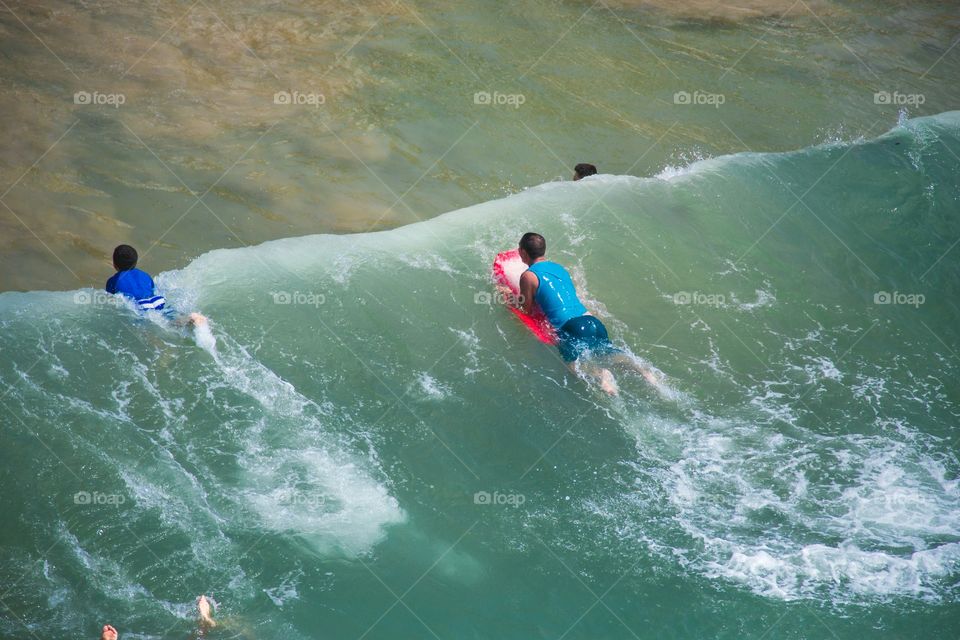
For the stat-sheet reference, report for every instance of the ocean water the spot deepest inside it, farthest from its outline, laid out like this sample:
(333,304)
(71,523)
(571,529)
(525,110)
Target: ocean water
(367,445)
(156,124)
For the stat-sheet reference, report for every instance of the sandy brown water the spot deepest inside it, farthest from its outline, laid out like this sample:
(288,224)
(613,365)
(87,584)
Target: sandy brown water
(183,148)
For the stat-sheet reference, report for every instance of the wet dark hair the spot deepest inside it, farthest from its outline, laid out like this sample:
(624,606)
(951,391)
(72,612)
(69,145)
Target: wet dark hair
(583,170)
(533,244)
(125,257)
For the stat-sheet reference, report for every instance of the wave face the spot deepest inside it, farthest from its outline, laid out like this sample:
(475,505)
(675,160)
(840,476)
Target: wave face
(365,389)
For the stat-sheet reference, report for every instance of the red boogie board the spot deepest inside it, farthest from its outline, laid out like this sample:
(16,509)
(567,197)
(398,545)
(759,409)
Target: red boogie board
(507,269)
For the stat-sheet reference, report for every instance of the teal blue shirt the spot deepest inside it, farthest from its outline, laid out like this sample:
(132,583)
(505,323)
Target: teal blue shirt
(556,294)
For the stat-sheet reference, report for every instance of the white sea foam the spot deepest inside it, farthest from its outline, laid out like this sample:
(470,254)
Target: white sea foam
(205,338)
(877,523)
(300,478)
(431,387)
(428,261)
(286,591)
(764,299)
(333,504)
(845,570)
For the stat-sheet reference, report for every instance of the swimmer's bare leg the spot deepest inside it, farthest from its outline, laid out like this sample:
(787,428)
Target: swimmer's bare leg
(631,363)
(205,609)
(192,320)
(109,633)
(602,376)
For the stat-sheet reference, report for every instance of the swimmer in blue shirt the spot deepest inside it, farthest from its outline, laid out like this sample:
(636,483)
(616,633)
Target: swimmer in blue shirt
(581,336)
(138,286)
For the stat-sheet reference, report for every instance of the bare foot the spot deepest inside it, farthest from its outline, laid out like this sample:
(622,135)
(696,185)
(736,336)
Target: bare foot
(608,383)
(205,609)
(109,633)
(197,320)
(650,377)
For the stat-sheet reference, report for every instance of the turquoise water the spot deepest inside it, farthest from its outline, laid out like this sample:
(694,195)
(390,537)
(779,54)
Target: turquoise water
(371,449)
(399,137)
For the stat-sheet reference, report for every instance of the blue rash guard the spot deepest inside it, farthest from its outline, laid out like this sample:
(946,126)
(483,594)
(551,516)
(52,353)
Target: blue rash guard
(577,332)
(556,294)
(138,286)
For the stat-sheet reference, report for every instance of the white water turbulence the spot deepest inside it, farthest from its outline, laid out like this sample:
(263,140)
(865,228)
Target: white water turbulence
(355,394)
(795,514)
(199,450)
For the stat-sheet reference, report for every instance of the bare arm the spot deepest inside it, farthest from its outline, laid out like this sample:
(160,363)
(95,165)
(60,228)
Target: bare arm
(529,282)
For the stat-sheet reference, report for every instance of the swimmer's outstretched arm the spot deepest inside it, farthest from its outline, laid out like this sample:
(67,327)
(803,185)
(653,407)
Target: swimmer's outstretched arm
(529,282)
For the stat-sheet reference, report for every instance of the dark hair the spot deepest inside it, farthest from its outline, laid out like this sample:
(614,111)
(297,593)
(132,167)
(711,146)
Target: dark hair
(533,244)
(125,257)
(583,170)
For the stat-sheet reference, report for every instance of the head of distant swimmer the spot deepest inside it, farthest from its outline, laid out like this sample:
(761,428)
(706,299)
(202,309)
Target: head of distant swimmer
(583,170)
(124,257)
(532,247)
